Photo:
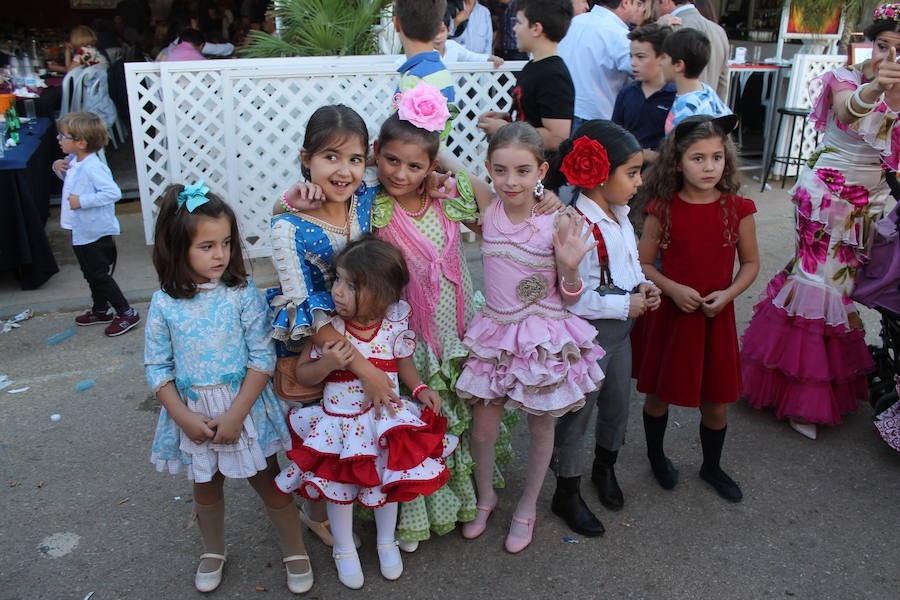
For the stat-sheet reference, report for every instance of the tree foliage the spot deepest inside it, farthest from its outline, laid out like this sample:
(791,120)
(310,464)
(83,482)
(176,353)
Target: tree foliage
(320,28)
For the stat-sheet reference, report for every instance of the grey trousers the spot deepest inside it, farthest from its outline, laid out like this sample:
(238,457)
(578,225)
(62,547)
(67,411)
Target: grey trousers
(611,399)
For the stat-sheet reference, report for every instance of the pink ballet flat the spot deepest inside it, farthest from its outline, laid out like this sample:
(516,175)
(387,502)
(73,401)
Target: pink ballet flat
(476,526)
(515,544)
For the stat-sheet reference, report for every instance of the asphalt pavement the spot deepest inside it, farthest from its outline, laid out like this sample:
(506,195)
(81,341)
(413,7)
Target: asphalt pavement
(83,511)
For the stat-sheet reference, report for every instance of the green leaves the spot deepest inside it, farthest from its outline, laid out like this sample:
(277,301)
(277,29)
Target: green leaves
(320,28)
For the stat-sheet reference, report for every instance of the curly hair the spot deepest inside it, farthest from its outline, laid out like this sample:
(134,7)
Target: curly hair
(664,179)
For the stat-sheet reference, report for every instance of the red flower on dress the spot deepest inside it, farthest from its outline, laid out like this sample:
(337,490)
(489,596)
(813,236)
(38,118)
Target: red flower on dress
(846,255)
(833,178)
(856,195)
(804,202)
(587,164)
(813,246)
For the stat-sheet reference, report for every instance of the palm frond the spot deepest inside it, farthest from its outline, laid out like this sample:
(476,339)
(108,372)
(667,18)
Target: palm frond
(320,28)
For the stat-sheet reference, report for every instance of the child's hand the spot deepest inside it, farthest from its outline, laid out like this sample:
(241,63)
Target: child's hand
(305,196)
(338,354)
(380,393)
(652,295)
(434,184)
(196,427)
(74,202)
(496,60)
(687,299)
(227,427)
(887,71)
(714,302)
(60,166)
(571,241)
(549,204)
(637,305)
(430,399)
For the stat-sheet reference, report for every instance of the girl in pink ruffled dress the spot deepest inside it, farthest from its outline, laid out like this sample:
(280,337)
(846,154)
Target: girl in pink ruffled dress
(804,353)
(346,450)
(525,350)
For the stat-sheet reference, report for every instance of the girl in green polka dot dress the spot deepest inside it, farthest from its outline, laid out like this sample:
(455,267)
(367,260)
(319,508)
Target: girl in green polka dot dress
(427,231)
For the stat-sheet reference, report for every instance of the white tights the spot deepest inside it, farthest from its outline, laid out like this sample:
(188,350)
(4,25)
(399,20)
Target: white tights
(341,518)
(485,429)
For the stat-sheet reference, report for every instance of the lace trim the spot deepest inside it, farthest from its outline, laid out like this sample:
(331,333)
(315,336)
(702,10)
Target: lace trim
(549,264)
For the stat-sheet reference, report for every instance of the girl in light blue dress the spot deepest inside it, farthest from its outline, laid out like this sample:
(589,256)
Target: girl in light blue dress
(209,358)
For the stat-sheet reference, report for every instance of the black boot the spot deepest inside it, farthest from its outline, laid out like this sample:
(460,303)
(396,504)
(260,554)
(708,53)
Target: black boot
(569,505)
(655,430)
(712,441)
(604,477)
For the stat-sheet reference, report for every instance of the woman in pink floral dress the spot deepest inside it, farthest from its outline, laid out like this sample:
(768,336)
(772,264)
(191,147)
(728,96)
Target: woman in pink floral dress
(804,352)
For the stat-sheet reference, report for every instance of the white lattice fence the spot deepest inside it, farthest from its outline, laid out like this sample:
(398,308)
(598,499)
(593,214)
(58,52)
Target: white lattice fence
(800,94)
(238,124)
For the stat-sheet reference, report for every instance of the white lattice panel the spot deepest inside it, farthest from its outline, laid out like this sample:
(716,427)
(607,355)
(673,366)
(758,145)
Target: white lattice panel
(238,124)
(801,92)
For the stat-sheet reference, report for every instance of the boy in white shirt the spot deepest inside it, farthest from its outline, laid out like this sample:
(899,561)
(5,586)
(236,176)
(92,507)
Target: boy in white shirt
(452,51)
(88,210)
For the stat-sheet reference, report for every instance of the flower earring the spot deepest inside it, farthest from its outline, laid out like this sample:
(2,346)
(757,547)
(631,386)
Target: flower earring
(539,189)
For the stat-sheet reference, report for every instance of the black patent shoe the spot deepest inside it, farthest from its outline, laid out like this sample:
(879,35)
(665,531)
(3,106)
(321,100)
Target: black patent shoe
(608,490)
(570,507)
(665,473)
(723,484)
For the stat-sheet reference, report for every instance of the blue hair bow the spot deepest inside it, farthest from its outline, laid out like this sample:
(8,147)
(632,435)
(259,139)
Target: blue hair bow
(193,196)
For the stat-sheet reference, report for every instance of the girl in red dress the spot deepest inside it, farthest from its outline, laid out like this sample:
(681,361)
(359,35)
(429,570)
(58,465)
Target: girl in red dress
(686,353)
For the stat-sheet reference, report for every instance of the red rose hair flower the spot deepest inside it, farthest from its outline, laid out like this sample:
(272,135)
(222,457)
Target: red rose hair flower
(587,164)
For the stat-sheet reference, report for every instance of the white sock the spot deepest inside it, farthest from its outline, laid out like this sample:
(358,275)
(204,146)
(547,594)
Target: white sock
(341,518)
(385,525)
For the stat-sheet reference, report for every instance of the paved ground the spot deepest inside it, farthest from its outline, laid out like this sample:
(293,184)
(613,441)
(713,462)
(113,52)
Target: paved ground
(83,511)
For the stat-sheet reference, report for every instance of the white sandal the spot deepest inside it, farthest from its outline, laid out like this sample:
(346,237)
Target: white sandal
(354,581)
(394,571)
(298,583)
(208,581)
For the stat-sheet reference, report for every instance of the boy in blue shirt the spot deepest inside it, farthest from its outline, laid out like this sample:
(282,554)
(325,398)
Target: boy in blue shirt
(642,106)
(418,22)
(684,56)
(88,209)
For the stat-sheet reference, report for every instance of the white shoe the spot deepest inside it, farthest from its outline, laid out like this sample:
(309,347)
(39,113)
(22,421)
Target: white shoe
(391,550)
(408,546)
(806,429)
(322,529)
(299,583)
(354,581)
(208,581)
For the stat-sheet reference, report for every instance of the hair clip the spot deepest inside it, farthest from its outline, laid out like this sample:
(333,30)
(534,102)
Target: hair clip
(193,196)
(724,124)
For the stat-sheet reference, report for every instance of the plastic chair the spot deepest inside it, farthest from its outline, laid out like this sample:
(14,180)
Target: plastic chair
(71,91)
(96,99)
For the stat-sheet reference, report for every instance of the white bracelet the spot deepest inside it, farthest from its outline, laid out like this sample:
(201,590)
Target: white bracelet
(866,106)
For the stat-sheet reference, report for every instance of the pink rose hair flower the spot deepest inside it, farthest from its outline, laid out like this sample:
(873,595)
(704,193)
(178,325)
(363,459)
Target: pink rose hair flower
(424,106)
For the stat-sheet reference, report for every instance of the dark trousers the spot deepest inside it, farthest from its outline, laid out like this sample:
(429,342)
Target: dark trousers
(98,262)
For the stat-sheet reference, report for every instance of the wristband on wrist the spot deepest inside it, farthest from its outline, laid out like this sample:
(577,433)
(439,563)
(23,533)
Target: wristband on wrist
(577,292)
(285,204)
(418,390)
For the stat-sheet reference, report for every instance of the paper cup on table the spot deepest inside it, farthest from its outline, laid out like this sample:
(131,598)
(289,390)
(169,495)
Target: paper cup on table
(740,55)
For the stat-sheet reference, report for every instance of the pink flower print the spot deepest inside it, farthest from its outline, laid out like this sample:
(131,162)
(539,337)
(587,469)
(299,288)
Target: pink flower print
(846,301)
(813,244)
(833,178)
(804,202)
(846,255)
(856,195)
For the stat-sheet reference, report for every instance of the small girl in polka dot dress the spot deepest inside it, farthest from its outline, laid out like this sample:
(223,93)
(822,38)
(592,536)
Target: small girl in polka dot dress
(347,450)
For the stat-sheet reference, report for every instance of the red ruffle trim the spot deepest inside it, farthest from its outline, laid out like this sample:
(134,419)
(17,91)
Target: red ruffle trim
(407,447)
(407,491)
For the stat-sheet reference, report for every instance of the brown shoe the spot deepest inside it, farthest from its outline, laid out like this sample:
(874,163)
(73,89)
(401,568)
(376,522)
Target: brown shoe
(91,317)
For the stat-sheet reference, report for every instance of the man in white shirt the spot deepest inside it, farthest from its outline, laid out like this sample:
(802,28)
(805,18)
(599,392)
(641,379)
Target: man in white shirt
(478,36)
(597,52)
(681,13)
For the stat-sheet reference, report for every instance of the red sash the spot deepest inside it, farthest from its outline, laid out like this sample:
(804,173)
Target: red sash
(602,254)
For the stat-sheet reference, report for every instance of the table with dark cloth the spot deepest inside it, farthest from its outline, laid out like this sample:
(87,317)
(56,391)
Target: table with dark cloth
(48,101)
(25,185)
